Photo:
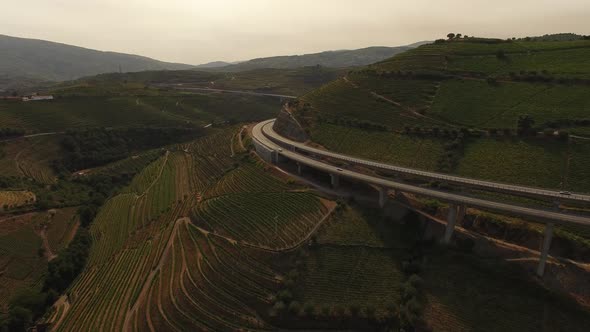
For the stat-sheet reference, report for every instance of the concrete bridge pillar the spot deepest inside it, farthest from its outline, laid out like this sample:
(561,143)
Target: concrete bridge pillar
(451,221)
(383,192)
(335,180)
(299,168)
(545,249)
(461,212)
(274,157)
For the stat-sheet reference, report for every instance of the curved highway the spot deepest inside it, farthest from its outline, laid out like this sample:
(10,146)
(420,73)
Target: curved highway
(473,183)
(266,137)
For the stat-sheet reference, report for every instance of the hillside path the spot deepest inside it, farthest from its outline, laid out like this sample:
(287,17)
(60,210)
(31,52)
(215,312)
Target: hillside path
(146,286)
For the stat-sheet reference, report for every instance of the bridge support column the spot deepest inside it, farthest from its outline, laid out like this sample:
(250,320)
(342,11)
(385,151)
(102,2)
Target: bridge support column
(383,192)
(274,157)
(335,180)
(545,249)
(299,168)
(461,212)
(451,221)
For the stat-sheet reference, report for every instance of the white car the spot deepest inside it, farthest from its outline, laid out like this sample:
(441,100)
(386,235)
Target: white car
(339,169)
(280,150)
(567,193)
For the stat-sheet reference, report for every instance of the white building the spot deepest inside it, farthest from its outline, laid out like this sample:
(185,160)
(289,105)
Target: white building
(37,98)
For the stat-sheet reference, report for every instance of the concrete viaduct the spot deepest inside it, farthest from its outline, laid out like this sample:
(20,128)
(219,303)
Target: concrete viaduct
(273,147)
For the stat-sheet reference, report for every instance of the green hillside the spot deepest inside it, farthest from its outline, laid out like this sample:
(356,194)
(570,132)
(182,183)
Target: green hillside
(43,60)
(471,92)
(335,59)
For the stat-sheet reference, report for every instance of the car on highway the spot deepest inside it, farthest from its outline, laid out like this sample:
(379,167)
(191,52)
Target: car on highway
(566,193)
(280,150)
(339,169)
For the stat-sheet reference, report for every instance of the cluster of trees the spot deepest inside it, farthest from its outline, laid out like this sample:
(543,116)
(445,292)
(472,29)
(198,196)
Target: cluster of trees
(452,36)
(525,126)
(545,76)
(11,132)
(95,147)
(352,122)
(30,304)
(568,123)
(441,132)
(453,152)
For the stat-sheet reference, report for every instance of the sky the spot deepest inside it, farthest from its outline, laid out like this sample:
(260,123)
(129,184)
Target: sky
(197,31)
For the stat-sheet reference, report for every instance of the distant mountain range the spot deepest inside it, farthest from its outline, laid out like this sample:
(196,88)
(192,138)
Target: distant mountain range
(334,59)
(32,59)
(29,62)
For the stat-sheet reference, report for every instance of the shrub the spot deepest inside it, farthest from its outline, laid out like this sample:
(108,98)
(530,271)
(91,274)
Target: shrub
(294,307)
(308,308)
(409,292)
(415,281)
(285,296)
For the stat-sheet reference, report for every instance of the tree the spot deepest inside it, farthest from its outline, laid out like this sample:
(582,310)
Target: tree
(525,124)
(451,36)
(458,36)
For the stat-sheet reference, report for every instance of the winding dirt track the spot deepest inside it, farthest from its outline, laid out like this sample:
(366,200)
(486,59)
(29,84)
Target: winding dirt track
(146,286)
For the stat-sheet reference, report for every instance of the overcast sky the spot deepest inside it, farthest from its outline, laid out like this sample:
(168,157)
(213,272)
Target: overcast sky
(197,31)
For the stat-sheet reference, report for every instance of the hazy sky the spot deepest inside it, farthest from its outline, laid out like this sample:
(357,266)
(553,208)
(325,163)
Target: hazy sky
(197,31)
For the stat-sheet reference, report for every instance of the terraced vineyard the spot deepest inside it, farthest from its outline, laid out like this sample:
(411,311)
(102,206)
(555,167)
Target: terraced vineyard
(23,255)
(383,146)
(122,111)
(341,99)
(205,283)
(30,158)
(516,161)
(156,270)
(15,199)
(345,276)
(471,85)
(255,219)
(464,295)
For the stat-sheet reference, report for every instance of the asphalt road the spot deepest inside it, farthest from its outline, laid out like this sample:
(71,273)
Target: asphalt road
(432,176)
(263,129)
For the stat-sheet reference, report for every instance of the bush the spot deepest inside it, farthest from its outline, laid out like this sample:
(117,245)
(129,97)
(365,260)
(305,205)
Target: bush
(416,281)
(409,292)
(308,308)
(294,307)
(285,296)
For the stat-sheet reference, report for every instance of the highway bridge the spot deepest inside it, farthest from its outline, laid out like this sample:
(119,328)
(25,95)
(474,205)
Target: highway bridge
(271,146)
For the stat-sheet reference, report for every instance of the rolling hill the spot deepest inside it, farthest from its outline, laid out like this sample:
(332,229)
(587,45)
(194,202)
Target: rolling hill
(335,59)
(456,106)
(48,61)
